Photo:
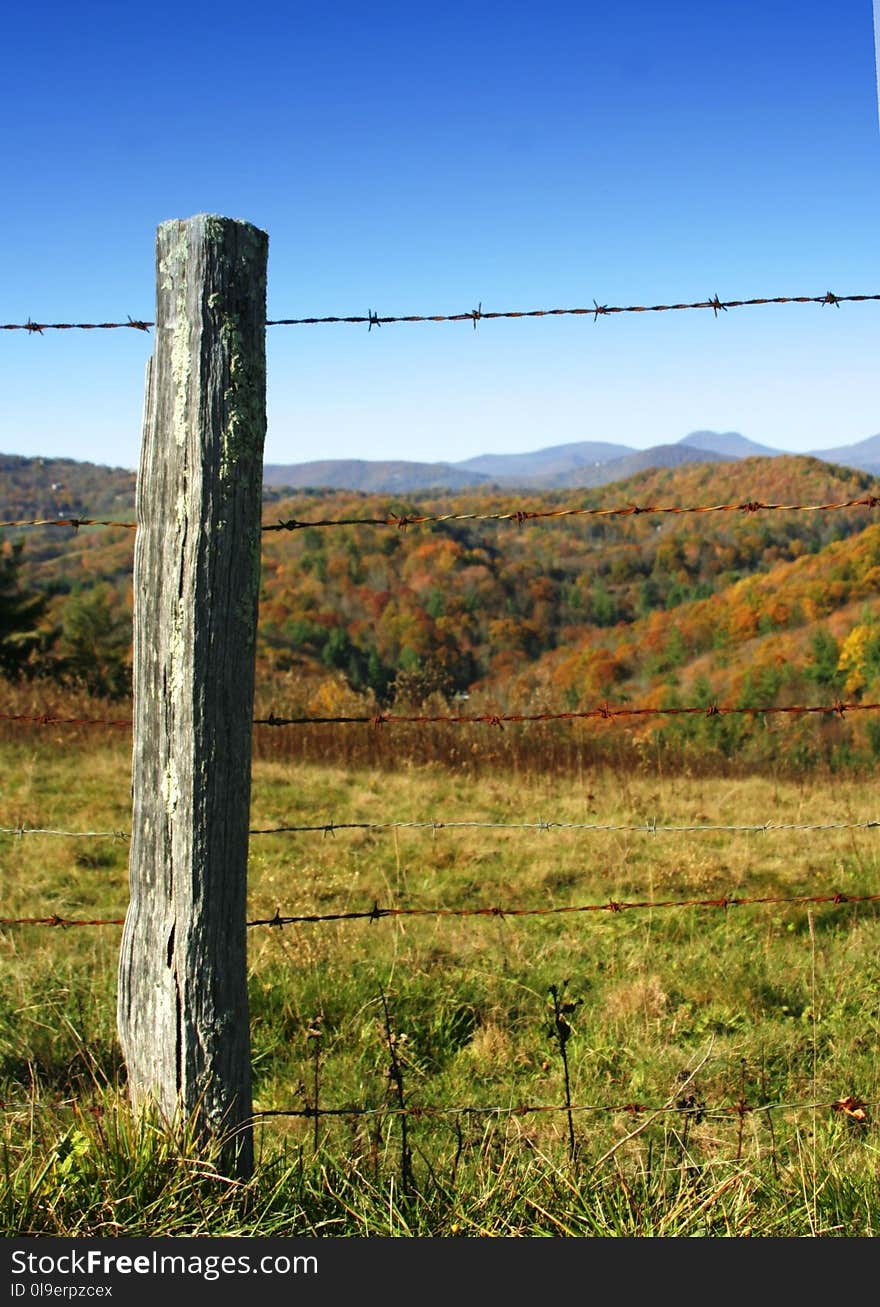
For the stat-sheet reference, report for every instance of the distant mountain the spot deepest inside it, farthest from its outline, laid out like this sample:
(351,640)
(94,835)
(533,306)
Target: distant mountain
(730,443)
(864,455)
(545,462)
(641,460)
(584,464)
(557,467)
(379,476)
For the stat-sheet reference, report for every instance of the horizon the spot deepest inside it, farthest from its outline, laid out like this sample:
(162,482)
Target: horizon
(793,453)
(406,162)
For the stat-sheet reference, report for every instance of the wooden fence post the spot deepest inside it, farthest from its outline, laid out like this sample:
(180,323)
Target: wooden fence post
(182,1001)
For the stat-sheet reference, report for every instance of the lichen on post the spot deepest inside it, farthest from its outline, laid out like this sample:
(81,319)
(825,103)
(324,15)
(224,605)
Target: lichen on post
(182,1003)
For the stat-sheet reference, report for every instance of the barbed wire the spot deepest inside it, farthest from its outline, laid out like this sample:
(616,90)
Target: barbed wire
(604,712)
(64,923)
(402,521)
(851,1106)
(37,328)
(19,831)
(48,719)
(725,901)
(378,719)
(522,515)
(479,314)
(519,515)
(377,913)
(649,827)
(75,522)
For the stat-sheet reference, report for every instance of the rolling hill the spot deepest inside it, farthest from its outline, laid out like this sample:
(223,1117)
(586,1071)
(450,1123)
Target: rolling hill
(563,611)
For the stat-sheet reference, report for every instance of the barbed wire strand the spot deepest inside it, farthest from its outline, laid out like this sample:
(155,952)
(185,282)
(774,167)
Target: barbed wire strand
(519,515)
(522,515)
(725,901)
(597,311)
(604,713)
(377,913)
(19,831)
(649,827)
(479,314)
(851,1106)
(47,719)
(75,522)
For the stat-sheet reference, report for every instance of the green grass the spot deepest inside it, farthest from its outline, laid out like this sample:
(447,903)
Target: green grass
(683,1011)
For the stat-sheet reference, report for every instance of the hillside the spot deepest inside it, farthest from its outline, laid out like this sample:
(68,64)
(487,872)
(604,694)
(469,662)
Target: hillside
(562,611)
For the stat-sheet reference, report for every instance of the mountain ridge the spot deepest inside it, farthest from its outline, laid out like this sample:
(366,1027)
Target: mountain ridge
(586,464)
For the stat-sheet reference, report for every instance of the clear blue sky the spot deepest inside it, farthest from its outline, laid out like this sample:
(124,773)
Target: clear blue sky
(411,158)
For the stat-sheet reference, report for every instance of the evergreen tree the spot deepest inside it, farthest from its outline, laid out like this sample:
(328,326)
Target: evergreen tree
(96,643)
(20,612)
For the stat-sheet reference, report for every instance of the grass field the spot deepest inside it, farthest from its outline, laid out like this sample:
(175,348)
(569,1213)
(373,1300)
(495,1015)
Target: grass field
(665,1019)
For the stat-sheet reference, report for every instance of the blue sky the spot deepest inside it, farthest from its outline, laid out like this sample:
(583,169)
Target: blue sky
(407,158)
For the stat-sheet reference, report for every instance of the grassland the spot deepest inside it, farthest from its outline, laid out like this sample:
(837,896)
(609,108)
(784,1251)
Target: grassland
(673,1016)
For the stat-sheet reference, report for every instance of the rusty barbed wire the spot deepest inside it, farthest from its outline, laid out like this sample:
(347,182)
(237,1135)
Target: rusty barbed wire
(63,923)
(377,913)
(47,719)
(75,522)
(519,515)
(479,314)
(522,515)
(603,712)
(850,1106)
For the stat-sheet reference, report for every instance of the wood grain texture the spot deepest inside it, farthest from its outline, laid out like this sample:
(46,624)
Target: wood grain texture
(182,1001)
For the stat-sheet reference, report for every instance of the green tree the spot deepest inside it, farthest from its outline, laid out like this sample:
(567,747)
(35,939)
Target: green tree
(20,612)
(96,642)
(822,668)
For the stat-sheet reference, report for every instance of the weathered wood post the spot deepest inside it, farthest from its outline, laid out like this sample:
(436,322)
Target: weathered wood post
(182,1001)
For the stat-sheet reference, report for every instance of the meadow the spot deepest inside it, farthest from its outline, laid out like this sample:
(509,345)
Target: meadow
(572,1071)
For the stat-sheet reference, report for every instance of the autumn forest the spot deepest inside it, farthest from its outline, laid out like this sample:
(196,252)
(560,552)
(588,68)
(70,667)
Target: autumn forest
(733,608)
